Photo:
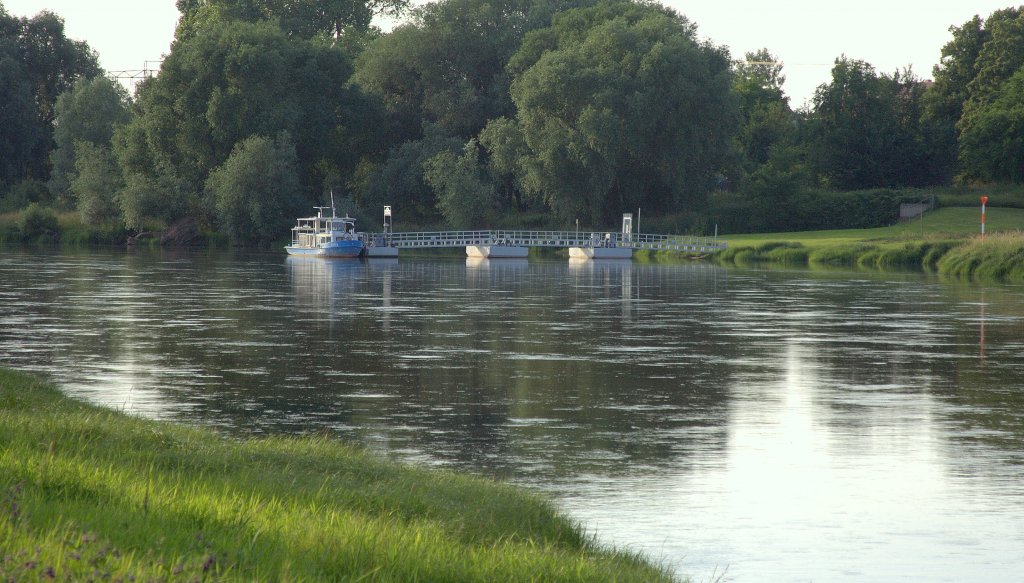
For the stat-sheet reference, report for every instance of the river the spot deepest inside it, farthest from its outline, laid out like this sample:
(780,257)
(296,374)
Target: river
(772,425)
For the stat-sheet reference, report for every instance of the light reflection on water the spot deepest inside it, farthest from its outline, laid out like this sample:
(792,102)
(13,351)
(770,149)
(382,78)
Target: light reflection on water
(785,426)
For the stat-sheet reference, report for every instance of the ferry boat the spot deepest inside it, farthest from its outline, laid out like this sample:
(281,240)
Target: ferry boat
(323,236)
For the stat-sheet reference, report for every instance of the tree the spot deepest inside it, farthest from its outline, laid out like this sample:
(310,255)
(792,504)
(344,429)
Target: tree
(256,191)
(759,80)
(992,144)
(52,61)
(991,111)
(399,181)
(867,131)
(304,18)
(144,196)
(1001,55)
(37,63)
(765,116)
(152,187)
(620,106)
(508,152)
(232,80)
(944,102)
(332,17)
(21,133)
(447,66)
(464,195)
(23,194)
(96,179)
(89,112)
(770,165)
(956,69)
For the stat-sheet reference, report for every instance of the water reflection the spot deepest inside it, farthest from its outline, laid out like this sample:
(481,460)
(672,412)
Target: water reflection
(981,330)
(823,426)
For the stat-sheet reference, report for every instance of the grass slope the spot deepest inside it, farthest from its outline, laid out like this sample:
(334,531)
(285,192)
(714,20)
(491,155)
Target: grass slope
(942,223)
(946,241)
(92,494)
(999,257)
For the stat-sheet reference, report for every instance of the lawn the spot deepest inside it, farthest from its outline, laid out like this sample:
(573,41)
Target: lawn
(945,241)
(954,222)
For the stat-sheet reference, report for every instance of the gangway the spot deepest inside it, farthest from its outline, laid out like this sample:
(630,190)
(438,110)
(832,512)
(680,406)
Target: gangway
(516,243)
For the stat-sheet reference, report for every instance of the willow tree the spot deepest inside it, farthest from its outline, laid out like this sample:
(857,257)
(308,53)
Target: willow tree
(447,65)
(303,18)
(618,105)
(90,112)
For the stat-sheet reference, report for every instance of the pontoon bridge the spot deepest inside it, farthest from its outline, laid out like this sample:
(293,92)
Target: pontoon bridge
(504,243)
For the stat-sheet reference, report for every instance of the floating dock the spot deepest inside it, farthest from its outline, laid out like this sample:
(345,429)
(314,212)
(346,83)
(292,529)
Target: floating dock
(496,244)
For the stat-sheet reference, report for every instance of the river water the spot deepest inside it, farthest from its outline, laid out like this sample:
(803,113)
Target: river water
(771,425)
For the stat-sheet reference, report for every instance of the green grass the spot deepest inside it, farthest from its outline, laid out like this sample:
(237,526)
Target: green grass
(942,223)
(998,257)
(946,240)
(92,494)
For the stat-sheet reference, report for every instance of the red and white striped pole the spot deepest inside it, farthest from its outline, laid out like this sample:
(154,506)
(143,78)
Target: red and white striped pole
(984,200)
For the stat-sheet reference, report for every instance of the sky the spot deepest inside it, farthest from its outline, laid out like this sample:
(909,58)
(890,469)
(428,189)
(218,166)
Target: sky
(806,35)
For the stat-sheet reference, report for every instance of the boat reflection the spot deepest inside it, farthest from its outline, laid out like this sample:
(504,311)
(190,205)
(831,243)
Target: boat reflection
(320,285)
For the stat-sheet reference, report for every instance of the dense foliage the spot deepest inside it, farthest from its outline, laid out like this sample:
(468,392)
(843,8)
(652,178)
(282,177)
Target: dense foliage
(478,111)
(618,106)
(867,130)
(37,64)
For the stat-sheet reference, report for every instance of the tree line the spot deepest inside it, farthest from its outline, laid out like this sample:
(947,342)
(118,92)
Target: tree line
(481,111)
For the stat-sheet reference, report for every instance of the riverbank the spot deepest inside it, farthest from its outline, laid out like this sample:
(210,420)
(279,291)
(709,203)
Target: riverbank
(945,241)
(90,493)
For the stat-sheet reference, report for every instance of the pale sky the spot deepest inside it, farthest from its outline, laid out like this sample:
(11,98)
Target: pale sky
(807,35)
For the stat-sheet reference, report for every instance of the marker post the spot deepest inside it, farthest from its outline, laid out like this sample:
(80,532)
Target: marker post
(984,201)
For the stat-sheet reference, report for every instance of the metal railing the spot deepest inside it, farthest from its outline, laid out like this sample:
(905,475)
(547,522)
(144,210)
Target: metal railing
(515,238)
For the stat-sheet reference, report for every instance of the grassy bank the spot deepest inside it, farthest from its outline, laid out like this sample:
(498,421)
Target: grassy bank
(46,227)
(999,257)
(945,241)
(92,494)
(925,254)
(43,226)
(950,223)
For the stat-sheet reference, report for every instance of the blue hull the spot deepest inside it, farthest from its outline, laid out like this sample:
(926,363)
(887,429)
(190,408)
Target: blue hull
(343,249)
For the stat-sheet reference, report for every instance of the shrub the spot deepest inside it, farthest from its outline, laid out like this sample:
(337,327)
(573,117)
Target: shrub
(23,194)
(256,191)
(39,225)
(811,210)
